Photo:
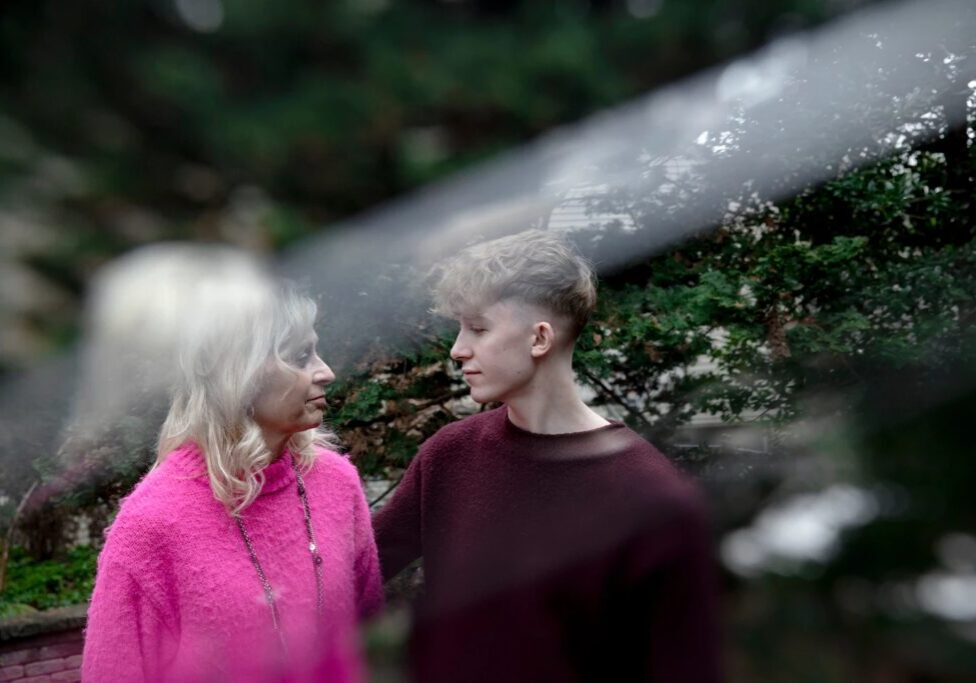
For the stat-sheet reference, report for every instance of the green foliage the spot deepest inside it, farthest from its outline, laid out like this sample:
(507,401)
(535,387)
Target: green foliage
(364,402)
(52,583)
(856,277)
(384,412)
(329,109)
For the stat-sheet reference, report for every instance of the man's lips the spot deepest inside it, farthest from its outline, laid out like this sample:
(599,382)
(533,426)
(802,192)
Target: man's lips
(318,400)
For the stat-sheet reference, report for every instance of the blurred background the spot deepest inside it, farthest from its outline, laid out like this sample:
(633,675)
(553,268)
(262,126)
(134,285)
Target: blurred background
(784,235)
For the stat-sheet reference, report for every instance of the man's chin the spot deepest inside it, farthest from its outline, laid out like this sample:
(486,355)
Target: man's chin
(482,398)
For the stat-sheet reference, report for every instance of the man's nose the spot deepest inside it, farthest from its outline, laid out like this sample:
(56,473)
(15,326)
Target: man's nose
(460,350)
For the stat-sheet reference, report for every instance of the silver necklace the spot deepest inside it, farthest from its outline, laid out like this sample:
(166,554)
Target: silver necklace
(312,548)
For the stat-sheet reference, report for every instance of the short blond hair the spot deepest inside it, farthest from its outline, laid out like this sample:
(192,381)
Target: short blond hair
(535,267)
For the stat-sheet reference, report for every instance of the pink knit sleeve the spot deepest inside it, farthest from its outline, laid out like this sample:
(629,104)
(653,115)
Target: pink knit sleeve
(125,638)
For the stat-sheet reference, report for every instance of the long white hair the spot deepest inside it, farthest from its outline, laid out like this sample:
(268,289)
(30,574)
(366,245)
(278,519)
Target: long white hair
(237,324)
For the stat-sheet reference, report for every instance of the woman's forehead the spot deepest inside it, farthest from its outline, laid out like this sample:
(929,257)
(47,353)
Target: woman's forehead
(302,336)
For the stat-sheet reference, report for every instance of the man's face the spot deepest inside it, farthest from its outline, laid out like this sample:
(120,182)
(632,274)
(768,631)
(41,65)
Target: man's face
(493,347)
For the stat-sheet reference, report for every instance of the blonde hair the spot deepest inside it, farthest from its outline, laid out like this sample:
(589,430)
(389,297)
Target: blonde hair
(534,267)
(236,326)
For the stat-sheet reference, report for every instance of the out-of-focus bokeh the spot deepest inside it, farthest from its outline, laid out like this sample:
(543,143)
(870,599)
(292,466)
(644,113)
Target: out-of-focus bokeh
(779,197)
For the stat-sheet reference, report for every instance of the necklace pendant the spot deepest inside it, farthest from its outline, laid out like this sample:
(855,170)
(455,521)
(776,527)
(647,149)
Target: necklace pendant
(316,562)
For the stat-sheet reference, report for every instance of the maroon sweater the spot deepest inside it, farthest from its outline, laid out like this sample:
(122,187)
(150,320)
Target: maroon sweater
(572,557)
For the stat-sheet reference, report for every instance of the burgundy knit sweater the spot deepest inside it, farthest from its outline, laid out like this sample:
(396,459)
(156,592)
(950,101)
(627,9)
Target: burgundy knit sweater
(571,557)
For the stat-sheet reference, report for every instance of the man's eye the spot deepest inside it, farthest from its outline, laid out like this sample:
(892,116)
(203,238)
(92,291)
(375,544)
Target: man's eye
(477,330)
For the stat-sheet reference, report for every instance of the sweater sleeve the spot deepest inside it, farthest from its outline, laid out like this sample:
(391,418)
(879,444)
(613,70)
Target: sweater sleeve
(671,594)
(398,524)
(126,637)
(369,584)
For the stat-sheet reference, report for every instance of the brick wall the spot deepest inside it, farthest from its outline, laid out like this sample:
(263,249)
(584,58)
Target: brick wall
(42,648)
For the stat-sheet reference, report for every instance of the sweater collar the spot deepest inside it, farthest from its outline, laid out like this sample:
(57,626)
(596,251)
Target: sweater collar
(189,462)
(600,442)
(279,474)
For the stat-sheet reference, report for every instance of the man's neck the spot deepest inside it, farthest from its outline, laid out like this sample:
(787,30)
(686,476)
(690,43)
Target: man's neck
(553,406)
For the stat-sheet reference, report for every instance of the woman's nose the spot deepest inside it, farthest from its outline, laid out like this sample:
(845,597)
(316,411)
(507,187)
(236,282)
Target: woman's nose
(323,374)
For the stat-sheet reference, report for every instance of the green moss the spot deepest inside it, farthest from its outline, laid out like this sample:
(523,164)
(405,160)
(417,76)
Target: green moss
(51,583)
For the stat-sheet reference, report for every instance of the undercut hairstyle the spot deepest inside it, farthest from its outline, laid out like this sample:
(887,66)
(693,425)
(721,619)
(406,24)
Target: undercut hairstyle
(533,267)
(238,328)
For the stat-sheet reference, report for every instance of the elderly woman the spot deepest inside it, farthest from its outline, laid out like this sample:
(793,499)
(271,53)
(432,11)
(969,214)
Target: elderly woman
(246,553)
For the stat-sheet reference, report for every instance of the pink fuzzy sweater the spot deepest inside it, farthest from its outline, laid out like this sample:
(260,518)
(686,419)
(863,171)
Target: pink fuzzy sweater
(177,599)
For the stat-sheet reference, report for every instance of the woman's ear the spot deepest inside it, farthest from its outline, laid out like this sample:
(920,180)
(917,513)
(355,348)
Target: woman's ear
(543,339)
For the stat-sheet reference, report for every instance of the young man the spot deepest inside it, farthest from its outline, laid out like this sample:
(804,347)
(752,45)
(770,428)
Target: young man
(557,545)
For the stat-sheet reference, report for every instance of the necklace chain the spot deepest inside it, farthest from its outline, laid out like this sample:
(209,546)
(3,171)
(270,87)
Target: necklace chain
(313,550)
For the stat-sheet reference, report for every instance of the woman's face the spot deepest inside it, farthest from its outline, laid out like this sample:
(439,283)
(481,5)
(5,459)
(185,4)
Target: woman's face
(292,397)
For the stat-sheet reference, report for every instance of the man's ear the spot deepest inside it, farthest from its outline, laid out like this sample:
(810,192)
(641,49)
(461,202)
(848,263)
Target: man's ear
(543,339)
